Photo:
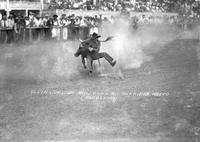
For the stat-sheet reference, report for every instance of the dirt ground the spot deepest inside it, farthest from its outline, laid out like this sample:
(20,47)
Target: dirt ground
(158,102)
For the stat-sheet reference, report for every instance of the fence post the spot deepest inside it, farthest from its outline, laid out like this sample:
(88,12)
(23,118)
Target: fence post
(24,34)
(65,33)
(38,33)
(5,36)
(30,34)
(61,33)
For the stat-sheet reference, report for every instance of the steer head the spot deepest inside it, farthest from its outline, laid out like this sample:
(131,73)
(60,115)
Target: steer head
(82,48)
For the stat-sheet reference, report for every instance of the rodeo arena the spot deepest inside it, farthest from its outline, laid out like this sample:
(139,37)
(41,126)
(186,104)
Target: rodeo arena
(99,71)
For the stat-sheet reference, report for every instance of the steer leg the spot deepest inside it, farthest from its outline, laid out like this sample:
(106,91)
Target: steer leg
(83,62)
(99,62)
(89,64)
(92,64)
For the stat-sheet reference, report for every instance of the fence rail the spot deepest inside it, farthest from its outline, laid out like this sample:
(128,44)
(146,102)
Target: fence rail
(8,35)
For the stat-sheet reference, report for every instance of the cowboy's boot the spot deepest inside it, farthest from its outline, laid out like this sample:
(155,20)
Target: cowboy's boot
(109,59)
(113,63)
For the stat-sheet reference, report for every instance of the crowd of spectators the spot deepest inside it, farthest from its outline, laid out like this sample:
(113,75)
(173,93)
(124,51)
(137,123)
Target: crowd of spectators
(71,4)
(52,25)
(36,21)
(19,24)
(188,13)
(16,28)
(180,6)
(188,10)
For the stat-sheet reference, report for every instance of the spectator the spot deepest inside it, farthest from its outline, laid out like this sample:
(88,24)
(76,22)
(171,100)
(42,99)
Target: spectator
(49,22)
(11,22)
(37,21)
(45,19)
(17,29)
(63,20)
(4,22)
(143,20)
(31,19)
(55,20)
(55,29)
(83,22)
(27,21)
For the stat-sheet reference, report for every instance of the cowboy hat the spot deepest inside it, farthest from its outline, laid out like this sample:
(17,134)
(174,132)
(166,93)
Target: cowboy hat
(55,16)
(95,35)
(31,13)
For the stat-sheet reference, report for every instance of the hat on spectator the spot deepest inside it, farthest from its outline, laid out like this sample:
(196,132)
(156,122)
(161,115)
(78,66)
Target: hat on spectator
(31,13)
(46,15)
(10,16)
(71,16)
(55,16)
(26,17)
(63,15)
(4,17)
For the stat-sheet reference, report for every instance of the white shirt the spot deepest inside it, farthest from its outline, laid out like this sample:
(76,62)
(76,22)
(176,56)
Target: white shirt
(11,23)
(37,22)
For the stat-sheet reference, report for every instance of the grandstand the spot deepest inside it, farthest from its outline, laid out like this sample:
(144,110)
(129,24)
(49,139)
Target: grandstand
(179,6)
(73,15)
(22,7)
(190,7)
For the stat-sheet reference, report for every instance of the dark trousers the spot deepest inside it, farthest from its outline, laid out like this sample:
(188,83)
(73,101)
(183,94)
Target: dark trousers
(10,36)
(105,55)
(3,36)
(96,56)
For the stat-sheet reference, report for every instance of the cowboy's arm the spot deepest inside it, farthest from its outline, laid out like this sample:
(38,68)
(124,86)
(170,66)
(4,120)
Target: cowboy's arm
(86,40)
(95,46)
(95,49)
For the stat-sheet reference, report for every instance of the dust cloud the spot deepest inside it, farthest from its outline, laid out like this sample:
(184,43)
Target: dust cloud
(54,60)
(43,61)
(128,46)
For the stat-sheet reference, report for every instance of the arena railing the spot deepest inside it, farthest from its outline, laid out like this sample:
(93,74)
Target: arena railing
(29,34)
(70,32)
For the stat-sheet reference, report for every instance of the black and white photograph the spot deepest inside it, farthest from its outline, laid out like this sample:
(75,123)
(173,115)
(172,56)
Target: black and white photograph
(99,70)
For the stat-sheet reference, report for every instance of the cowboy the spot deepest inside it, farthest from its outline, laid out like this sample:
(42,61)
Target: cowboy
(94,46)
